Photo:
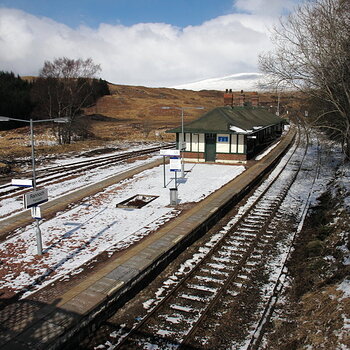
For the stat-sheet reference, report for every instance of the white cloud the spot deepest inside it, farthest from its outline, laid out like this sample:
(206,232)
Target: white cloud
(152,54)
(265,7)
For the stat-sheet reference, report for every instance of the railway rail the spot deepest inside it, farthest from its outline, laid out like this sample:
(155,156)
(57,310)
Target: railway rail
(53,174)
(183,317)
(267,311)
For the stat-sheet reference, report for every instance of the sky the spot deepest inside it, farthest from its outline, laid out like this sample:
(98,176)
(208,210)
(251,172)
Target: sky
(140,42)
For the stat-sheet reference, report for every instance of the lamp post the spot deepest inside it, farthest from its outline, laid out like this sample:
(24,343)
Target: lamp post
(182,139)
(31,121)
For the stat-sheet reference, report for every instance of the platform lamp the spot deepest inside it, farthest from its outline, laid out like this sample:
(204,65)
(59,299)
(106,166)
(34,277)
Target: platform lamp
(31,121)
(182,139)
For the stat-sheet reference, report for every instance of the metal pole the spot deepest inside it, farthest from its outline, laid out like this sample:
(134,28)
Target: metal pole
(38,238)
(37,230)
(164,172)
(33,154)
(183,141)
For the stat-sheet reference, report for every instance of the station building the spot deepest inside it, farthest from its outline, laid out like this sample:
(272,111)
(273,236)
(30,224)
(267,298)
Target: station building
(233,133)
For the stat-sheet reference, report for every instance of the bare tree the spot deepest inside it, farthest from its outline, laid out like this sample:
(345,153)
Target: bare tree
(312,54)
(64,87)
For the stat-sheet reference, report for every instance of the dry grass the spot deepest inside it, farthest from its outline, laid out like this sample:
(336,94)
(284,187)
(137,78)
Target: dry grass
(136,113)
(315,314)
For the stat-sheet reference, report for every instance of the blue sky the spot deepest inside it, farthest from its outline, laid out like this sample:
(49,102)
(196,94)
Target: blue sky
(140,42)
(179,13)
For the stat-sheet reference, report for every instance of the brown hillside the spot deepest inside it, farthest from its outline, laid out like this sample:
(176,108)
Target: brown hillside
(134,112)
(131,113)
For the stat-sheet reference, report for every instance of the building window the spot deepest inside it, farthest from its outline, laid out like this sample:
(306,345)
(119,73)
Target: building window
(234,143)
(240,148)
(222,143)
(197,143)
(188,142)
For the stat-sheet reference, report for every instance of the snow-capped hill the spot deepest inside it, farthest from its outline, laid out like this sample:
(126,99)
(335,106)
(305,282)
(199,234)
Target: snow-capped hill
(241,81)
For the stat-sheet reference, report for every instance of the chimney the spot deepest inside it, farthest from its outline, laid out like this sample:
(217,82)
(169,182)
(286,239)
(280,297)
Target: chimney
(255,99)
(228,98)
(241,99)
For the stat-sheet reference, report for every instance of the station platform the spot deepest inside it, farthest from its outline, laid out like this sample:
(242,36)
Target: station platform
(29,324)
(61,203)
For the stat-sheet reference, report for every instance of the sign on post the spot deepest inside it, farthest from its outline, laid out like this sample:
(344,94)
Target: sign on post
(173,154)
(175,164)
(22,182)
(34,198)
(36,212)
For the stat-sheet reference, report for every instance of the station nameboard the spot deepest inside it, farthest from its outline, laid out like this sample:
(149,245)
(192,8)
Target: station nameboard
(22,182)
(169,152)
(35,198)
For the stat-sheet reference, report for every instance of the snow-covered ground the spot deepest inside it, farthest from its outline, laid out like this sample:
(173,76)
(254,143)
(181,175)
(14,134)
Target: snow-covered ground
(95,225)
(15,204)
(236,82)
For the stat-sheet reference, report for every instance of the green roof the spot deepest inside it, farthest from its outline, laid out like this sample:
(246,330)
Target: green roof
(231,120)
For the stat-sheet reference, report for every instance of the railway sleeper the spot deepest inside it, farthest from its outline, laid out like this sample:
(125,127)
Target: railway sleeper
(246,229)
(266,206)
(237,250)
(184,308)
(175,318)
(238,241)
(203,294)
(207,283)
(260,212)
(215,272)
(253,221)
(233,258)
(202,288)
(222,260)
(243,276)
(209,279)
(250,225)
(245,234)
(193,297)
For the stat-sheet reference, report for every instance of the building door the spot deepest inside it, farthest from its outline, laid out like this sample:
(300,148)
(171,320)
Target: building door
(210,147)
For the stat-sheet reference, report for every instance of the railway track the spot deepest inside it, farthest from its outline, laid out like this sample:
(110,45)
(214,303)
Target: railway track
(59,173)
(227,266)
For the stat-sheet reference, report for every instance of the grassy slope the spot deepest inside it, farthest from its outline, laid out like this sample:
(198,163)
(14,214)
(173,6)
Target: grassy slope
(130,113)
